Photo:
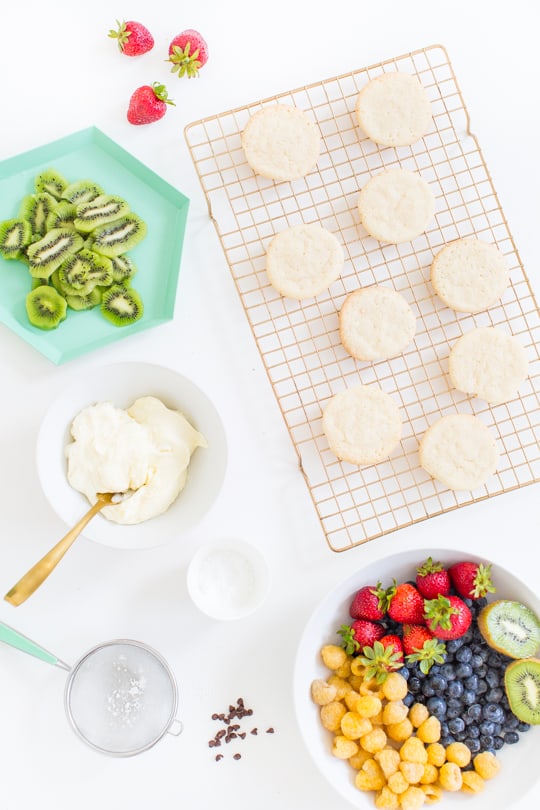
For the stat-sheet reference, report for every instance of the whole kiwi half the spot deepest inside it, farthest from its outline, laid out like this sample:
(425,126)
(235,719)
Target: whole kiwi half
(522,684)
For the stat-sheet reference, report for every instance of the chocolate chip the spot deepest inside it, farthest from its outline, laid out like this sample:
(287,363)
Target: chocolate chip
(270,730)
(218,757)
(242,735)
(254,731)
(237,756)
(215,716)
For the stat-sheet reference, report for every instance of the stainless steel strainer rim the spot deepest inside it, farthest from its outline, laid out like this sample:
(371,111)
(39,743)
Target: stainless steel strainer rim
(174,703)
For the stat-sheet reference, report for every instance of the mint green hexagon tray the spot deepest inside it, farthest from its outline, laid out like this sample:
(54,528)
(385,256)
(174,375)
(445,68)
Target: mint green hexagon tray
(89,154)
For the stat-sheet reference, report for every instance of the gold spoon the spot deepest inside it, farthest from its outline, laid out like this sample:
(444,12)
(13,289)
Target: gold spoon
(33,578)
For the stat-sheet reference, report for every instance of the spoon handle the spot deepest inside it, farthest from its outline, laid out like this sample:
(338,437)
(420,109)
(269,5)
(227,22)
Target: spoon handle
(33,578)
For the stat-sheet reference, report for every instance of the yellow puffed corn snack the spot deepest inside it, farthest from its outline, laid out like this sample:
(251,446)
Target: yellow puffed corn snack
(486,765)
(374,740)
(450,776)
(436,754)
(343,748)
(459,753)
(368,705)
(397,783)
(350,700)
(433,793)
(472,782)
(386,799)
(430,775)
(394,687)
(341,685)
(400,731)
(357,667)
(358,759)
(413,750)
(413,798)
(333,656)
(344,670)
(418,713)
(332,714)
(322,692)
(394,712)
(430,730)
(354,726)
(388,759)
(412,771)
(370,777)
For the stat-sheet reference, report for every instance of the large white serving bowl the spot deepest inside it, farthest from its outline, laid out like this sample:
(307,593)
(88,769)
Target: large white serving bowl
(519,762)
(121,384)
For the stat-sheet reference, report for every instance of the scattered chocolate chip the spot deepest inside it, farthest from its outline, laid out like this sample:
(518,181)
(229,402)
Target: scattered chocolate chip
(215,716)
(240,702)
(211,743)
(237,756)
(249,712)
(270,730)
(242,735)
(254,731)
(218,757)
(221,733)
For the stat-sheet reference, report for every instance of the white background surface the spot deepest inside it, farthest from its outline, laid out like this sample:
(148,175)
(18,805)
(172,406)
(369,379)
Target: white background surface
(59,73)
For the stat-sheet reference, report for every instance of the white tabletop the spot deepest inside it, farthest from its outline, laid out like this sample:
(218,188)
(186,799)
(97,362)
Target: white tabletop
(59,73)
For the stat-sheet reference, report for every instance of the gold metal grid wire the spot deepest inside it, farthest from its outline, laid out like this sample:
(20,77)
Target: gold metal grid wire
(299,341)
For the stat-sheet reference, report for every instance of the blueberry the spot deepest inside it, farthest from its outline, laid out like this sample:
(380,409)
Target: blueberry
(405,672)
(487,741)
(476,661)
(448,740)
(464,654)
(493,712)
(463,671)
(475,711)
(471,683)
(511,737)
(455,689)
(511,722)
(454,644)
(468,697)
(473,731)
(498,743)
(448,671)
(455,725)
(495,695)
(481,601)
(438,682)
(437,706)
(482,687)
(472,744)
(493,677)
(435,669)
(523,727)
(453,711)
(414,684)
(487,728)
(444,728)
(427,690)
(409,699)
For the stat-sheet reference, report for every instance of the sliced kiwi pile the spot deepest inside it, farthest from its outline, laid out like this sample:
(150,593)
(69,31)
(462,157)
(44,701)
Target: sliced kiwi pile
(510,627)
(74,238)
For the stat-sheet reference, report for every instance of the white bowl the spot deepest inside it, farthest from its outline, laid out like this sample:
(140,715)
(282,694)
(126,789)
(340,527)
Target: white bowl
(519,762)
(121,384)
(228,579)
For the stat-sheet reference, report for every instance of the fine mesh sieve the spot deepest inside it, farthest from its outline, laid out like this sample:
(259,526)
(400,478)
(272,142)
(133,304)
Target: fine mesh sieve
(120,698)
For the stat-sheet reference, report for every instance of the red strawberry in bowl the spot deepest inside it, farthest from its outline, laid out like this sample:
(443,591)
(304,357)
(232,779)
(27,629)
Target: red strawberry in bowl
(133,38)
(405,604)
(471,580)
(369,603)
(432,579)
(447,617)
(395,644)
(420,645)
(360,634)
(383,657)
(148,104)
(188,53)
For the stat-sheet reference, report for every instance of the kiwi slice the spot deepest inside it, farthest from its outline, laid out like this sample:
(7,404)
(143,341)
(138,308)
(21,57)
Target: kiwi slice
(36,209)
(100,268)
(522,685)
(123,268)
(80,302)
(15,235)
(82,191)
(53,249)
(74,275)
(52,182)
(119,236)
(99,211)
(121,306)
(510,627)
(45,307)
(62,216)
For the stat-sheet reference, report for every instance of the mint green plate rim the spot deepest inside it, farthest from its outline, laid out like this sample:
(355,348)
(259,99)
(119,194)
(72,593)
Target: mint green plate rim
(90,154)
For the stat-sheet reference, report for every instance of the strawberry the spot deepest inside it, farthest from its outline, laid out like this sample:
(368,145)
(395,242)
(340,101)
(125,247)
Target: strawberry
(447,617)
(471,580)
(188,52)
(369,603)
(406,604)
(380,659)
(133,38)
(360,634)
(148,104)
(395,643)
(420,645)
(432,579)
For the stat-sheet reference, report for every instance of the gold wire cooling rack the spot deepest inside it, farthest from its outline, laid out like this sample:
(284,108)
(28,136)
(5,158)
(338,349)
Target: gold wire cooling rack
(299,341)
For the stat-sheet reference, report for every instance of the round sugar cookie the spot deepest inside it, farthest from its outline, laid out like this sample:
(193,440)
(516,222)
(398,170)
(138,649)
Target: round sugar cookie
(281,142)
(362,424)
(393,109)
(302,261)
(396,205)
(469,275)
(488,363)
(376,323)
(459,451)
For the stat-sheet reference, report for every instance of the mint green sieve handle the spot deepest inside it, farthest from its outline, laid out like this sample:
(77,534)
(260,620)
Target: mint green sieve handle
(15,639)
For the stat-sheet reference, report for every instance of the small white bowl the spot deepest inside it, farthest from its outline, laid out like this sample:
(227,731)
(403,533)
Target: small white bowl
(121,384)
(228,579)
